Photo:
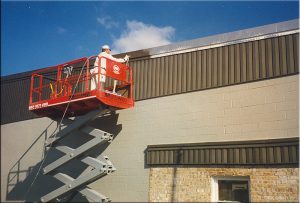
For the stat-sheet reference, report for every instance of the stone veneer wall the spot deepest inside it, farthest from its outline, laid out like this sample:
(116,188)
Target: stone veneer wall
(194,184)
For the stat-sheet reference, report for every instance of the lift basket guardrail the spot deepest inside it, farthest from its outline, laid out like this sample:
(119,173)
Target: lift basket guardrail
(81,87)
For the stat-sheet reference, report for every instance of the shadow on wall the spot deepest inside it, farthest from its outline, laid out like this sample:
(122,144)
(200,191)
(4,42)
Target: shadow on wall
(17,188)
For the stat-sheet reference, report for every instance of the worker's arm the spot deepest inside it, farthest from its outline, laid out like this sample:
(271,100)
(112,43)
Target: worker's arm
(120,60)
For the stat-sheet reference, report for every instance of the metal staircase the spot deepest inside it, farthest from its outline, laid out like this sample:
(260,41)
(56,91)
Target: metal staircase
(97,167)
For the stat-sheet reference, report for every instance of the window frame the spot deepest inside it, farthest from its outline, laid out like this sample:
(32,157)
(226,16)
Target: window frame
(215,186)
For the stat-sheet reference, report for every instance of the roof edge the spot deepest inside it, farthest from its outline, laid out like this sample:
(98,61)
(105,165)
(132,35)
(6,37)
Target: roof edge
(186,46)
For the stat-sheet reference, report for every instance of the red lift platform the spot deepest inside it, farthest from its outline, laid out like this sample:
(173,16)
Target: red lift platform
(77,87)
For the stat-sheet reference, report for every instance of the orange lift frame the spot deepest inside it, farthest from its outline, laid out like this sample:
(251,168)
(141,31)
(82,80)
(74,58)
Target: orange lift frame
(66,88)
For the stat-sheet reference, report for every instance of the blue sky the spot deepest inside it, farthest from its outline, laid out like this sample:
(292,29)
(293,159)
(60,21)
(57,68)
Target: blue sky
(40,34)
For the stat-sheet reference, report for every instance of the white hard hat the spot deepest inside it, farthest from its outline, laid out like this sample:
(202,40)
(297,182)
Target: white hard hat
(105,47)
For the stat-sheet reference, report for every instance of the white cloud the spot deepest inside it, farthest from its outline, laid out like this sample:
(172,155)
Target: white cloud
(140,36)
(107,22)
(61,30)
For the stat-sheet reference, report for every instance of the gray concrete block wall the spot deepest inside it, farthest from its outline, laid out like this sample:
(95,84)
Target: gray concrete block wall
(266,109)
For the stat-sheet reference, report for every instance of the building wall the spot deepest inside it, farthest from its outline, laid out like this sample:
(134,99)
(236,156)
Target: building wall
(195,184)
(211,65)
(258,110)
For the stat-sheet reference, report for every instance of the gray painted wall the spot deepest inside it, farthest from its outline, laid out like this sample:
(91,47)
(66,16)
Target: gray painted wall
(252,111)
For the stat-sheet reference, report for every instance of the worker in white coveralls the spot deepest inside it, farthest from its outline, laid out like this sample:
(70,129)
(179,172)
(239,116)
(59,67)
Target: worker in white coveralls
(106,53)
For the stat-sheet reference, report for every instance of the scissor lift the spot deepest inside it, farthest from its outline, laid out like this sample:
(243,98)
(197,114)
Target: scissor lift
(66,91)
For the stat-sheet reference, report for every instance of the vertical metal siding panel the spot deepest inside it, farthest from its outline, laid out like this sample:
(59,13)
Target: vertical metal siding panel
(249,152)
(290,54)
(166,156)
(269,56)
(196,156)
(293,154)
(218,156)
(262,59)
(230,156)
(270,155)
(180,74)
(171,157)
(277,154)
(209,68)
(171,74)
(256,61)
(175,75)
(213,156)
(153,78)
(243,156)
(162,76)
(263,155)
(236,156)
(194,70)
(199,70)
(285,154)
(142,80)
(215,68)
(225,156)
(226,63)
(249,62)
(161,156)
(256,155)
(181,156)
(157,158)
(184,72)
(138,78)
(134,76)
(146,76)
(276,56)
(153,157)
(237,63)
(283,57)
(231,65)
(220,66)
(157,74)
(243,62)
(149,79)
(296,52)
(191,156)
(201,155)
(166,73)
(189,72)
(207,156)
(203,67)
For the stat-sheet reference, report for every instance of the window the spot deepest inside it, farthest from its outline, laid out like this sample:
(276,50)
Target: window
(230,188)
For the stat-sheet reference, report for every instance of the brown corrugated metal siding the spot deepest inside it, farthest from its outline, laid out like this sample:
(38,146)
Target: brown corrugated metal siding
(216,67)
(262,152)
(184,72)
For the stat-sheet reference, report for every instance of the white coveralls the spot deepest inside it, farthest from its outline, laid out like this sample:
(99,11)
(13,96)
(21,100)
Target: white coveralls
(94,79)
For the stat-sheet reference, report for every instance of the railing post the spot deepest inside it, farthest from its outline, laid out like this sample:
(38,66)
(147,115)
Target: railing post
(87,75)
(41,87)
(98,74)
(31,89)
